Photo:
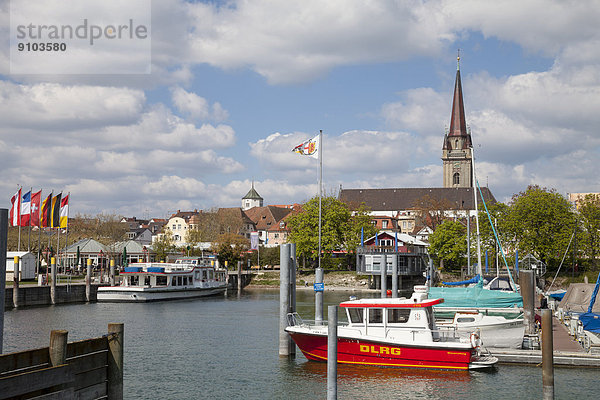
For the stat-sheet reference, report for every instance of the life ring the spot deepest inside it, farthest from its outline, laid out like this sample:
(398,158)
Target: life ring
(475,341)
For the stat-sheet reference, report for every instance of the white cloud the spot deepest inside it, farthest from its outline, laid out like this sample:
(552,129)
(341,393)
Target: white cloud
(197,107)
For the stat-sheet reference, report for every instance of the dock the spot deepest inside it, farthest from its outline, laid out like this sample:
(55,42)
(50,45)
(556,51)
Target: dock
(567,351)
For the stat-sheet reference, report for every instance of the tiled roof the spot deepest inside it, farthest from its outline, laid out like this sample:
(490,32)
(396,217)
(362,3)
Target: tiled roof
(398,199)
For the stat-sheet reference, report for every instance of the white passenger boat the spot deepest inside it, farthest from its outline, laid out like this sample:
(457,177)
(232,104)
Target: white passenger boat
(392,332)
(184,279)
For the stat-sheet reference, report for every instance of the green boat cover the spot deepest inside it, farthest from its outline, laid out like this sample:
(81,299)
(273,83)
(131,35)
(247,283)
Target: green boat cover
(476,296)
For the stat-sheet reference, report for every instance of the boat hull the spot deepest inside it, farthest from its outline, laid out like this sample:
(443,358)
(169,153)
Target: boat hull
(371,352)
(141,295)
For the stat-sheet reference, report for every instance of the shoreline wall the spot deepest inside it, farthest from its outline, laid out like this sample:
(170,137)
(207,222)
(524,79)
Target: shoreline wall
(40,295)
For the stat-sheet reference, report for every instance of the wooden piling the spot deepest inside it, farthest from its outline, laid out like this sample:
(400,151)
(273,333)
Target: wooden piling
(292,279)
(3,241)
(58,347)
(88,279)
(115,361)
(547,355)
(239,276)
(332,320)
(16,282)
(284,299)
(53,278)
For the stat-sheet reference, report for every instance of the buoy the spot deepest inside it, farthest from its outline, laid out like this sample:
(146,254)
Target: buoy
(389,292)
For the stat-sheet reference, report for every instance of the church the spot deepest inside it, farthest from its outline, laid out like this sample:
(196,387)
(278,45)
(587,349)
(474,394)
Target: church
(414,210)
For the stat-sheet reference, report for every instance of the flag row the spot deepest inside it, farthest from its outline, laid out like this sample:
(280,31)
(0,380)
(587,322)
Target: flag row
(28,209)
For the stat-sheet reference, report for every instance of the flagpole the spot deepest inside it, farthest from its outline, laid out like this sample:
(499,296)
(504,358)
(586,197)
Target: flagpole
(29,221)
(39,263)
(19,220)
(67,236)
(320,150)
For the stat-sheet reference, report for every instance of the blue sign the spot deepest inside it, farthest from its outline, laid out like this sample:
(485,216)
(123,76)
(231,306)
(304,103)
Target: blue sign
(319,287)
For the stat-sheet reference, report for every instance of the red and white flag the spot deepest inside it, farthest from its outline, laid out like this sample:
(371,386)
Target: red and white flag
(36,199)
(15,210)
(25,209)
(309,148)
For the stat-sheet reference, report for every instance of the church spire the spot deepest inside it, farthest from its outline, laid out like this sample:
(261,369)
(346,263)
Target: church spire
(458,123)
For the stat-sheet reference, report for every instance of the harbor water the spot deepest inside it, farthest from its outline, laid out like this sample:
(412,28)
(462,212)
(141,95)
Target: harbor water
(226,347)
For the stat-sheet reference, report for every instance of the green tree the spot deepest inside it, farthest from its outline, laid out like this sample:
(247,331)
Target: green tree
(229,247)
(498,214)
(339,229)
(542,222)
(359,225)
(589,212)
(448,243)
(164,245)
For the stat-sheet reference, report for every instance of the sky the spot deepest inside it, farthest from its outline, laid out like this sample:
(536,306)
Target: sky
(220,92)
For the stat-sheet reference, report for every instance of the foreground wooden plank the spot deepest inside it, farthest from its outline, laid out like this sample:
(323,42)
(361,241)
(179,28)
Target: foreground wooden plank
(27,382)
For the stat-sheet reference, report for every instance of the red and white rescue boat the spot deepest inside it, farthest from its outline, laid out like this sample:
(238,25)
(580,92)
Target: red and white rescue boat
(392,332)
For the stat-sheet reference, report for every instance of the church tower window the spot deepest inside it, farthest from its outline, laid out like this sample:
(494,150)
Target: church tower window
(456,178)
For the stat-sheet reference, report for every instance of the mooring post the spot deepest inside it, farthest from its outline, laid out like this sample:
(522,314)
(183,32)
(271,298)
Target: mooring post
(383,263)
(115,361)
(332,321)
(58,347)
(284,298)
(547,355)
(395,275)
(3,242)
(88,280)
(318,296)
(239,276)
(16,282)
(292,306)
(526,280)
(112,272)
(53,278)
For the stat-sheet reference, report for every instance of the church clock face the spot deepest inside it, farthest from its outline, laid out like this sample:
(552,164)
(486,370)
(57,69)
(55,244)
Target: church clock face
(456,165)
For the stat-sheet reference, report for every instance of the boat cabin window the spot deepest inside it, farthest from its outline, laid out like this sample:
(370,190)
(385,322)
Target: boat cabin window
(465,319)
(356,315)
(197,275)
(430,318)
(133,281)
(147,280)
(375,315)
(398,315)
(161,281)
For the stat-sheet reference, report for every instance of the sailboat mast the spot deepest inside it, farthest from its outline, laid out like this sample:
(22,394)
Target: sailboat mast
(479,269)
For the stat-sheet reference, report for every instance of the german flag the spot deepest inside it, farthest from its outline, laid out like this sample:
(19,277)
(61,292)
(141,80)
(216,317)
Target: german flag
(45,221)
(55,218)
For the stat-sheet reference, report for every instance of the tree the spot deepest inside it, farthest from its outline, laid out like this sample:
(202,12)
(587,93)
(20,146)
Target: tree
(229,247)
(432,211)
(448,243)
(541,221)
(339,229)
(498,214)
(359,225)
(164,244)
(589,212)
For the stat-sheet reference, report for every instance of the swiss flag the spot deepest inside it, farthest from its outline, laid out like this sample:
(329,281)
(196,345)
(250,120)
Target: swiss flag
(36,199)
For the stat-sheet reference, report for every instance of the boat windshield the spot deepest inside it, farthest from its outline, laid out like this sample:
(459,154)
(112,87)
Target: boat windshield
(375,315)
(398,315)
(356,315)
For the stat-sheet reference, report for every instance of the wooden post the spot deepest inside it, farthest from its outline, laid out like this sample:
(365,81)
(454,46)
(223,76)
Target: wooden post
(3,240)
(284,299)
(53,278)
(16,282)
(332,316)
(547,355)
(58,347)
(115,361)
(88,280)
(112,272)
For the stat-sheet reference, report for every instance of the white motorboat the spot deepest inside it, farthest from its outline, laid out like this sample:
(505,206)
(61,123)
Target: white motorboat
(184,279)
(494,330)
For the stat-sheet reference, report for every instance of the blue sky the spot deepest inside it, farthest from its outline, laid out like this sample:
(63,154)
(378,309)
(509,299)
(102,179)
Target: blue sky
(235,85)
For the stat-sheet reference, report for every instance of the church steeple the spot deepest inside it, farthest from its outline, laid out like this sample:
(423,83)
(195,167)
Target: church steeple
(456,151)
